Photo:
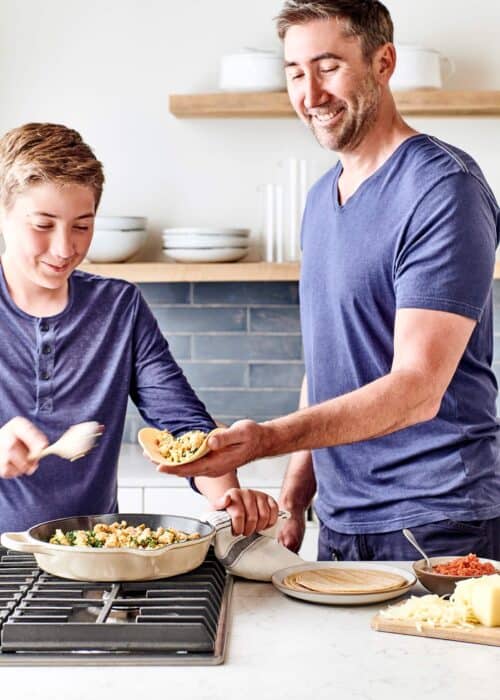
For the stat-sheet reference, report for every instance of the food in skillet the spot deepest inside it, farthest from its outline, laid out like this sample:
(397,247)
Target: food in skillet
(120,534)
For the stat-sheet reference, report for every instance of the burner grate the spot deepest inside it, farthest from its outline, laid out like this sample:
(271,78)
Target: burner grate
(177,620)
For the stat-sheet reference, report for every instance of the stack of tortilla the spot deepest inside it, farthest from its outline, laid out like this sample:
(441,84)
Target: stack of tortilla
(344,581)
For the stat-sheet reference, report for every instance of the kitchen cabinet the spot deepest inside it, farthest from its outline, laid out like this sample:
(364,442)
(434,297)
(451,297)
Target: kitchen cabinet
(174,501)
(144,490)
(168,500)
(131,500)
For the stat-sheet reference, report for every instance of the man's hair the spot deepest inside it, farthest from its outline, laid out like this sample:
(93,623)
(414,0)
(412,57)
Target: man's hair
(367,19)
(38,153)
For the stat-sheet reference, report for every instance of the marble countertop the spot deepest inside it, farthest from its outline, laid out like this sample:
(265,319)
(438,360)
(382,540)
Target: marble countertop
(135,470)
(279,647)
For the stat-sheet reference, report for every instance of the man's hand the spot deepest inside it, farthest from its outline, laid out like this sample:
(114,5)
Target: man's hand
(250,511)
(18,439)
(241,443)
(292,531)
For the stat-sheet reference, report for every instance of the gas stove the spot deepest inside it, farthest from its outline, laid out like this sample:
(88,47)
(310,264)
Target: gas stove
(45,620)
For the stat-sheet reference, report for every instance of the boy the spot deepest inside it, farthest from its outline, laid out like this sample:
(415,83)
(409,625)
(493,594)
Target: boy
(74,346)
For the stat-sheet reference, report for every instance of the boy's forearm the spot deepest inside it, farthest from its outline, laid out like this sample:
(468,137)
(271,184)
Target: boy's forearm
(214,487)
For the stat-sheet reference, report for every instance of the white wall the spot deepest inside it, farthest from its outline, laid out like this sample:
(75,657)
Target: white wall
(106,68)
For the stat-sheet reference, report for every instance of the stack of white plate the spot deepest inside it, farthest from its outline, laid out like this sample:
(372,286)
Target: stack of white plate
(205,244)
(116,238)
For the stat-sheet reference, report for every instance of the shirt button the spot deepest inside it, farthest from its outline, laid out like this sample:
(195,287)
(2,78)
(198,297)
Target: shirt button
(46,349)
(44,326)
(45,374)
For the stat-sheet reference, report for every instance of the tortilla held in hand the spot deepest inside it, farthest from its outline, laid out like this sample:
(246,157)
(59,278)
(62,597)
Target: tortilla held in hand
(163,448)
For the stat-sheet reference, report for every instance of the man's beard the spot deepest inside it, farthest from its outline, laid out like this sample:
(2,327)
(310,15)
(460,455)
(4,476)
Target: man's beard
(356,120)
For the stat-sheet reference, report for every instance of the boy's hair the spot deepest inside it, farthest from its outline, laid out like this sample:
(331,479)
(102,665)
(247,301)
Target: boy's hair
(36,153)
(368,19)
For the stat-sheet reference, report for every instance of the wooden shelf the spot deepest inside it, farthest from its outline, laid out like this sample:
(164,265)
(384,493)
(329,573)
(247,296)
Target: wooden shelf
(423,103)
(232,104)
(449,103)
(197,272)
(208,272)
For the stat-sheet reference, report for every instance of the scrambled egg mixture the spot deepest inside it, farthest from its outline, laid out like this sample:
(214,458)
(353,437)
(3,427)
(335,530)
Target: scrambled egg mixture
(122,535)
(179,449)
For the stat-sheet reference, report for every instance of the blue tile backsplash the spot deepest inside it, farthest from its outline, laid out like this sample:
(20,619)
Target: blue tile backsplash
(239,344)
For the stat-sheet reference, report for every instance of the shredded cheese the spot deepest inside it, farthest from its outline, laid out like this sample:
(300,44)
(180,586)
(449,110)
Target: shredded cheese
(434,611)
(431,610)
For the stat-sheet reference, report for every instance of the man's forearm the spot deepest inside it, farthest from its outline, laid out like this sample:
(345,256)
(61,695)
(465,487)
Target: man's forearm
(299,484)
(391,403)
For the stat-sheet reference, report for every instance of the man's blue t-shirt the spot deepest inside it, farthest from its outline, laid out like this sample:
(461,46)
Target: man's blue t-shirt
(420,232)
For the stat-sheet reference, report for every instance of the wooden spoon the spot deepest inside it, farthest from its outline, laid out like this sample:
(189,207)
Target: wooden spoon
(149,439)
(74,443)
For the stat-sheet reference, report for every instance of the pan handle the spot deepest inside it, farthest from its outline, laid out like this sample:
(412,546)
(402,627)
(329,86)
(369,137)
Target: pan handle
(21,542)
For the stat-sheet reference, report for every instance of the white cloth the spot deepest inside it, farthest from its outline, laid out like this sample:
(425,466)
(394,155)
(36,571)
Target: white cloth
(256,557)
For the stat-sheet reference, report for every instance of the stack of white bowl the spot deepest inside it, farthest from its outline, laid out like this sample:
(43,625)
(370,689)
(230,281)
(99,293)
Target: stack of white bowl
(116,238)
(204,244)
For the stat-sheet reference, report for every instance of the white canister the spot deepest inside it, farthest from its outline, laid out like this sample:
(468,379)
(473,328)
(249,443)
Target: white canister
(418,67)
(252,69)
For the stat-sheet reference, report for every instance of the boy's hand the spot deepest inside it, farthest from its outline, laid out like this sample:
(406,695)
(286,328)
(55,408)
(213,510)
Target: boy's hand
(19,438)
(250,511)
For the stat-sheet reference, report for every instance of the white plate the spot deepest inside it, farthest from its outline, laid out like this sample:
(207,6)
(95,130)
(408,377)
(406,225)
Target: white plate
(123,223)
(208,231)
(199,241)
(343,598)
(194,255)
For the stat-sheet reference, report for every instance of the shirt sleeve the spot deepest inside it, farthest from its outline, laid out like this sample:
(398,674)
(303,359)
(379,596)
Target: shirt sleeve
(446,256)
(159,388)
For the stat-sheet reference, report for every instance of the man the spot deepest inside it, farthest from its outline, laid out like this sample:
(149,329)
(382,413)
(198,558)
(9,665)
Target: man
(398,247)
(74,346)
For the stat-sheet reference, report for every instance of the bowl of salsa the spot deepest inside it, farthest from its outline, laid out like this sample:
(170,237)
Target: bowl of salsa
(447,571)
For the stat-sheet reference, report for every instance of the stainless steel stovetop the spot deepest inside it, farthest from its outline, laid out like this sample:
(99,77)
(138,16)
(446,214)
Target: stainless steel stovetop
(45,620)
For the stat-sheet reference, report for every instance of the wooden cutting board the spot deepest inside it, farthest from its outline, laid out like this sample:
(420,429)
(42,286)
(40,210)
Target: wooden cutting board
(476,635)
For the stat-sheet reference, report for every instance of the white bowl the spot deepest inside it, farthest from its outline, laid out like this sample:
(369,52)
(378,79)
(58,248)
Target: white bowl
(195,255)
(420,68)
(122,223)
(206,231)
(201,241)
(110,246)
(252,69)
